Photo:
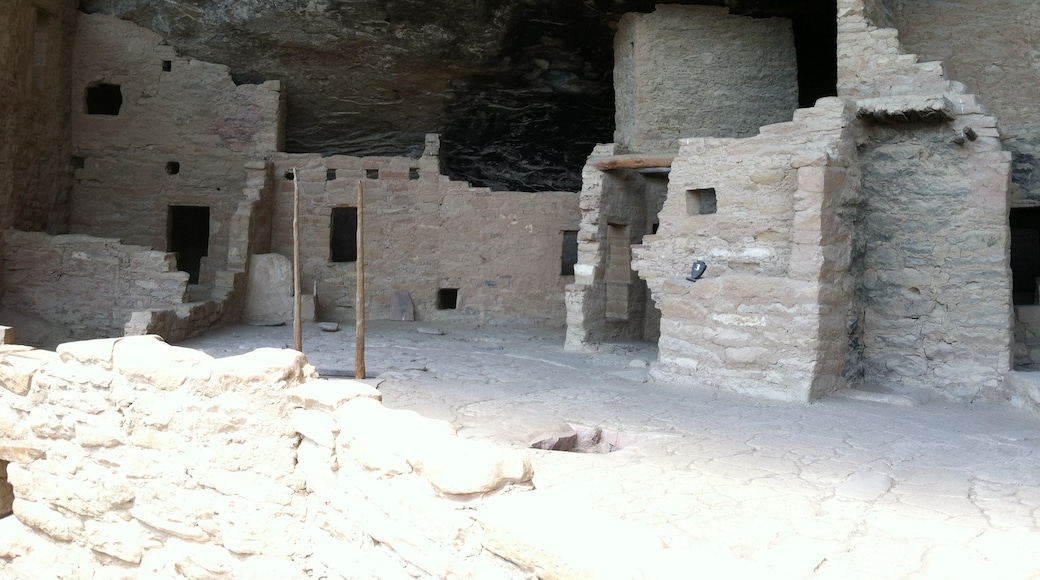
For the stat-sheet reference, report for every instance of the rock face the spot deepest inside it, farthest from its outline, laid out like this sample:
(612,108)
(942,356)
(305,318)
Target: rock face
(520,91)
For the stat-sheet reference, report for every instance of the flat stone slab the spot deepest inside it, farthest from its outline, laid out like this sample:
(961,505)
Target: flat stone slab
(329,326)
(401,306)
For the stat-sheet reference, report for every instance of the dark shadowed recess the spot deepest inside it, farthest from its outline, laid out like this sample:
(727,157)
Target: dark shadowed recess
(520,90)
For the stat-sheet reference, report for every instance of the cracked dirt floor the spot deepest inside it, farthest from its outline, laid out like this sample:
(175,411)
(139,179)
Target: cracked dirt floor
(840,488)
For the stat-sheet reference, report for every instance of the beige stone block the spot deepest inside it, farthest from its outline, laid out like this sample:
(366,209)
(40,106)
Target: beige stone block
(456,466)
(150,361)
(6,335)
(99,435)
(264,370)
(124,540)
(19,364)
(330,394)
(20,453)
(89,352)
(187,531)
(42,518)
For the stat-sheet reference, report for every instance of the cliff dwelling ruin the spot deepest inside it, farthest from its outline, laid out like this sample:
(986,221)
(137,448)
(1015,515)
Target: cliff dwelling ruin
(862,185)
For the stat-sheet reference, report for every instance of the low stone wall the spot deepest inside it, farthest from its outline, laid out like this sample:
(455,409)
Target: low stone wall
(499,251)
(86,284)
(140,459)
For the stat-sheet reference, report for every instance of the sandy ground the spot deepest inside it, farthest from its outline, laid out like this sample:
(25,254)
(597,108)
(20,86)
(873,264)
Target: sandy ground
(840,488)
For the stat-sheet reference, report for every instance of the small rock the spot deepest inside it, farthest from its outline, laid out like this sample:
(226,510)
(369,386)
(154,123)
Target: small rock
(428,330)
(328,326)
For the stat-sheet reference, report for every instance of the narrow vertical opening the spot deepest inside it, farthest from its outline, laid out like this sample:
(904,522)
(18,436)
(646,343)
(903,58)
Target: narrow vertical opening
(569,253)
(343,235)
(413,173)
(448,299)
(1025,254)
(188,237)
(330,175)
(816,50)
(167,65)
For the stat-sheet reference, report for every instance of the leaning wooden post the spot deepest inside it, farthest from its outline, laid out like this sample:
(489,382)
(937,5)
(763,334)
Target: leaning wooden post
(359,303)
(297,297)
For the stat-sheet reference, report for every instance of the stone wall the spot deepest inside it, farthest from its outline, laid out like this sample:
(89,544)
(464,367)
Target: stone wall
(182,136)
(132,458)
(35,174)
(88,285)
(607,301)
(993,51)
(933,261)
(696,71)
(501,251)
(768,316)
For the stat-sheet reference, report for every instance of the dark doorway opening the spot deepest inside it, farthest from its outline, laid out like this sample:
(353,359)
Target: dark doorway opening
(1025,253)
(343,237)
(104,99)
(816,47)
(188,236)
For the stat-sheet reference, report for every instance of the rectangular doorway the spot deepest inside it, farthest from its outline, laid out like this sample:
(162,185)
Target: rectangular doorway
(187,235)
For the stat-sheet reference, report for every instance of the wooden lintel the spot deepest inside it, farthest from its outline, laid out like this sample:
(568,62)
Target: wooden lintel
(633,161)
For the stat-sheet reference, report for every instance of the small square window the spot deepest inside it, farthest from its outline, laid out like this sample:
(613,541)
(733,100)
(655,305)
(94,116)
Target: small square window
(413,173)
(79,162)
(372,173)
(343,235)
(288,176)
(167,65)
(173,168)
(104,99)
(701,201)
(330,175)
(448,299)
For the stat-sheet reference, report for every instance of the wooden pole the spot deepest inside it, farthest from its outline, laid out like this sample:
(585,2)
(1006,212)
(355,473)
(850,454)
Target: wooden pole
(359,304)
(297,296)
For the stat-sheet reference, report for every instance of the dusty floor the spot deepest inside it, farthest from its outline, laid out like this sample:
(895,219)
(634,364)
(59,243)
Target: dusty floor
(840,488)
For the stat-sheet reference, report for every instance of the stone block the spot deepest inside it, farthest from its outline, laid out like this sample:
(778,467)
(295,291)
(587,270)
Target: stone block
(19,364)
(6,335)
(148,360)
(269,298)
(49,521)
(330,394)
(456,466)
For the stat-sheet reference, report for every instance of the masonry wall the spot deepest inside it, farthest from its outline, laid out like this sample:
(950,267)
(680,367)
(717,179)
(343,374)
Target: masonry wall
(130,458)
(933,263)
(993,52)
(87,285)
(768,316)
(696,71)
(181,137)
(607,301)
(425,233)
(35,175)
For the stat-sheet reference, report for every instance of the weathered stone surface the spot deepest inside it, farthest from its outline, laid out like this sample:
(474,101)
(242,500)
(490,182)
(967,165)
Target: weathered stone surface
(269,297)
(19,364)
(330,394)
(456,466)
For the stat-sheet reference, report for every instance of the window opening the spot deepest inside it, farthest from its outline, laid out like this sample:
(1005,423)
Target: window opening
(701,201)
(447,299)
(104,99)
(173,168)
(288,176)
(413,173)
(1025,254)
(79,162)
(343,235)
(330,175)
(188,237)
(167,65)
(372,173)
(569,253)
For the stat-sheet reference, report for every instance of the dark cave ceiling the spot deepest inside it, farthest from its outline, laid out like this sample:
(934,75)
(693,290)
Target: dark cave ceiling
(520,90)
